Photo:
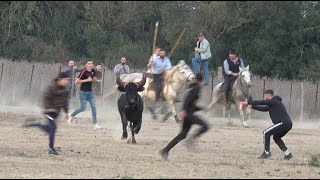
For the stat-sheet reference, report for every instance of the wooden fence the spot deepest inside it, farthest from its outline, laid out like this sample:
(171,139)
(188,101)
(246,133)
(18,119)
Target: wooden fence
(24,82)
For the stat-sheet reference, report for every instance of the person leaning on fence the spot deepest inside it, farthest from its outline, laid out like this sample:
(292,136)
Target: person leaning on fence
(86,77)
(203,54)
(55,98)
(96,85)
(280,118)
(71,70)
(122,67)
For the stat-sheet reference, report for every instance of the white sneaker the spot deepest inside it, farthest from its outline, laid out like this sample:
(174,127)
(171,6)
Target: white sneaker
(96,126)
(69,119)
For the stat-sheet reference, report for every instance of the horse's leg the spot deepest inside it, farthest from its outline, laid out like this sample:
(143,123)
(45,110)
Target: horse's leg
(243,115)
(173,110)
(248,110)
(224,111)
(229,116)
(147,102)
(166,117)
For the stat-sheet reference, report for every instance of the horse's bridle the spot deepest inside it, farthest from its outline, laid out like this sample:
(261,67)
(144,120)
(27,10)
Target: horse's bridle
(178,82)
(243,82)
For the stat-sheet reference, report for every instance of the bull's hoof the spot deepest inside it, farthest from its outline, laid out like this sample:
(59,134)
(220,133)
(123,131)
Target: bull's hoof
(134,141)
(136,131)
(124,136)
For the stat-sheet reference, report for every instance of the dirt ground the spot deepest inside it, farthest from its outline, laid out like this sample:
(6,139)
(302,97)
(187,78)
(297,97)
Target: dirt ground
(224,152)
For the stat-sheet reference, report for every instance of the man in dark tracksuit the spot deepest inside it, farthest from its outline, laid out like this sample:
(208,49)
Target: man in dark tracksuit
(55,98)
(280,118)
(189,108)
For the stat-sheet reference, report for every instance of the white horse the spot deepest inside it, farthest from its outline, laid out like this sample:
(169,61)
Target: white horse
(174,83)
(240,92)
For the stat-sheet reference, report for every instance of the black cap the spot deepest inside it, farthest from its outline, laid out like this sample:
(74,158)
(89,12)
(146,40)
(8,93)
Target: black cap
(199,77)
(63,75)
(269,91)
(232,51)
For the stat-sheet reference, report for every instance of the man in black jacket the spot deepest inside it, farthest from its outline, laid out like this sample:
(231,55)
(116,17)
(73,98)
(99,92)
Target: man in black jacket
(55,98)
(280,118)
(187,114)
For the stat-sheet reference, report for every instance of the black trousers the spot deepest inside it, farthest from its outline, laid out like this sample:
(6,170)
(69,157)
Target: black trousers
(157,83)
(187,123)
(49,128)
(278,131)
(228,80)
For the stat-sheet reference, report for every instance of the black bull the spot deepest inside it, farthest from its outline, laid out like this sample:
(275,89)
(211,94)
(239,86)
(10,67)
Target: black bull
(130,106)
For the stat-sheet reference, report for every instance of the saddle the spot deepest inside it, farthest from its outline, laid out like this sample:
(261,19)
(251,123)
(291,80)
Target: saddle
(223,87)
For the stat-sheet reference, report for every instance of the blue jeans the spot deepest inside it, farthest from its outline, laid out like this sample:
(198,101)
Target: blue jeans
(205,63)
(84,97)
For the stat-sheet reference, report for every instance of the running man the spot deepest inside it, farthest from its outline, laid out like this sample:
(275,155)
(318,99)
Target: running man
(187,114)
(55,99)
(86,77)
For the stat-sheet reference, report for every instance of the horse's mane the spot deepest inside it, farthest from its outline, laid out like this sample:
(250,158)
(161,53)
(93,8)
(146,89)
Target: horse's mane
(169,75)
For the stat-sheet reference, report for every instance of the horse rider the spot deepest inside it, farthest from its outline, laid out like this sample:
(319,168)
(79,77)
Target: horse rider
(160,66)
(155,55)
(231,72)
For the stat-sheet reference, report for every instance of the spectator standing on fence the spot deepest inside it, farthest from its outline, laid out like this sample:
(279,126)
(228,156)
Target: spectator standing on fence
(71,70)
(86,77)
(203,54)
(280,118)
(96,85)
(122,67)
(55,99)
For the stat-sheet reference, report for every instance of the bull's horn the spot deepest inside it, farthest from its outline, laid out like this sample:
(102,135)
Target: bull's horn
(142,82)
(119,81)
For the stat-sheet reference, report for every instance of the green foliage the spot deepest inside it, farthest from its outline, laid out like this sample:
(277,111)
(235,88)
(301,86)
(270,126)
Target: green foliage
(278,39)
(315,160)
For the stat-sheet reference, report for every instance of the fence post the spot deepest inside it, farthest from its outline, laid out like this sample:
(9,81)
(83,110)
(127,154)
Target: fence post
(31,79)
(264,87)
(211,84)
(290,97)
(302,101)
(315,104)
(219,73)
(1,74)
(103,77)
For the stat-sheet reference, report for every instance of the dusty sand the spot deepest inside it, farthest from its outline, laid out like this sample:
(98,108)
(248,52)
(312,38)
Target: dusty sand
(224,152)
